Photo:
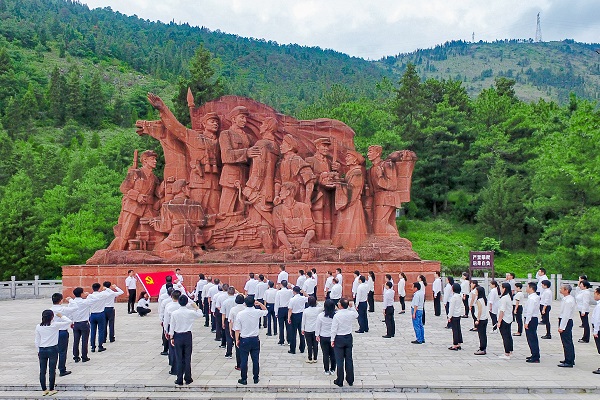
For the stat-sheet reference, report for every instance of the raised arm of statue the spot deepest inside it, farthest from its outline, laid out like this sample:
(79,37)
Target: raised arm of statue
(167,117)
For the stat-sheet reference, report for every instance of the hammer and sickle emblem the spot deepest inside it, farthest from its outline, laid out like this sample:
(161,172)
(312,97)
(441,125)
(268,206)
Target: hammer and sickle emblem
(149,280)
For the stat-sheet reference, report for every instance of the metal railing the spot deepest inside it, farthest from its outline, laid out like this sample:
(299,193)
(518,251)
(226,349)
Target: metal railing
(33,288)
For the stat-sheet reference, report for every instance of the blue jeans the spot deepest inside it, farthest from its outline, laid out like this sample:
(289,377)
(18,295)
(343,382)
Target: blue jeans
(418,325)
(97,323)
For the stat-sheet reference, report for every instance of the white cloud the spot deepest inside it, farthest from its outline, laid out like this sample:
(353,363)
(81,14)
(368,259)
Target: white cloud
(373,29)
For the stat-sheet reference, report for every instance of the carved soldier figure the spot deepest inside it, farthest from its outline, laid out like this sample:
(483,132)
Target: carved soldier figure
(292,168)
(293,222)
(325,171)
(351,227)
(181,218)
(235,151)
(383,198)
(140,192)
(203,152)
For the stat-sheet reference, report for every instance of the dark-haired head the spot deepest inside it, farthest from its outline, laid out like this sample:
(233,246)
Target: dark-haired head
(249,301)
(519,285)
(546,283)
(417,285)
(239,299)
(456,287)
(296,289)
(389,284)
(201,276)
(312,302)
(96,286)
(585,284)
(176,295)
(402,274)
(142,295)
(474,282)
(423,280)
(57,298)
(450,280)
(78,291)
(47,316)
(362,279)
(329,308)
(168,279)
(506,290)
(170,291)
(284,283)
(107,284)
(271,284)
(168,286)
(372,275)
(344,303)
(533,285)
(183,300)
(481,294)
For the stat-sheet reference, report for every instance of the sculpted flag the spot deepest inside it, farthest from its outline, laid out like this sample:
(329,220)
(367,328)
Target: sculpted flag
(153,281)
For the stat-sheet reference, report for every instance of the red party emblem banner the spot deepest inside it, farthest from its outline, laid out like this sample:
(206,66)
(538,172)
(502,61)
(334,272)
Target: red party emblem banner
(153,281)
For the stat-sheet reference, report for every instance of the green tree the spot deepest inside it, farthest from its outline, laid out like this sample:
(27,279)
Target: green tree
(95,104)
(204,83)
(57,96)
(74,105)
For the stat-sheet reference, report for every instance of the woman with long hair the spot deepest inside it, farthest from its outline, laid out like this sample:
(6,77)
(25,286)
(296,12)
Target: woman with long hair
(309,326)
(472,298)
(493,303)
(455,312)
(423,281)
(401,291)
(448,296)
(143,304)
(371,295)
(323,335)
(505,318)
(46,341)
(481,322)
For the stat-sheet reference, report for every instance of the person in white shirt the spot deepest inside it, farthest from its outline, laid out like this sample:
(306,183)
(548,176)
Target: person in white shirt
(565,326)
(401,290)
(63,334)
(270,294)
(97,317)
(355,284)
(455,311)
(437,294)
(423,283)
(371,298)
(494,303)
(584,298)
(131,285)
(198,291)
(228,304)
(81,325)
(546,306)
(465,288)
(531,315)
(361,296)
(447,297)
(164,287)
(323,334)
(341,341)
(205,300)
(336,291)
(328,284)
(482,313)
(250,287)
(510,278)
(473,284)
(541,277)
(308,289)
(308,326)
(261,288)
(143,305)
(518,307)
(46,342)
(388,310)
(163,301)
(169,308)
(217,302)
(109,310)
(339,277)
(505,318)
(283,275)
(301,278)
(239,306)
(282,301)
(180,332)
(296,307)
(179,276)
(416,309)
(316,278)
(596,323)
(246,338)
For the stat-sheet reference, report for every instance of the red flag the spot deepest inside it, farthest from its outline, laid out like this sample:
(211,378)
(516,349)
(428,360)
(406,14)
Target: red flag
(153,281)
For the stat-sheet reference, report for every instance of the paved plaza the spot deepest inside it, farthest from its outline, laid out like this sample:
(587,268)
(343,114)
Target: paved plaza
(385,368)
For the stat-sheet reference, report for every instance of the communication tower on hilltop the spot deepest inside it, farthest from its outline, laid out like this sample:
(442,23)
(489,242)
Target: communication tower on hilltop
(538,30)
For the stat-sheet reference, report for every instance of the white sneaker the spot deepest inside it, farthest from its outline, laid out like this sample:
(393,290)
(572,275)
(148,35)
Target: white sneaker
(504,357)
(326,372)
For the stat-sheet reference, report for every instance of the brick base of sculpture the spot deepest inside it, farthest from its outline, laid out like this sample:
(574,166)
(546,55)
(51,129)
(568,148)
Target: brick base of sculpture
(236,273)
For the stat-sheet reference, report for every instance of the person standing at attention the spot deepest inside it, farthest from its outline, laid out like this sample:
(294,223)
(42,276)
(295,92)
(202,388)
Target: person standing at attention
(250,287)
(455,312)
(541,277)
(447,297)
(131,285)
(518,308)
(355,284)
(63,334)
(546,306)
(416,309)
(316,278)
(283,275)
(437,294)
(81,326)
(340,277)
(200,285)
(505,319)
(296,308)
(270,295)
(261,288)
(328,284)
(423,282)
(531,313)
(482,313)
(109,310)
(97,318)
(180,332)
(465,288)
(282,302)
(584,298)
(596,323)
(362,294)
(323,335)
(246,337)
(46,341)
(388,310)
(336,291)
(341,341)
(401,290)
(371,298)
(565,326)
(309,325)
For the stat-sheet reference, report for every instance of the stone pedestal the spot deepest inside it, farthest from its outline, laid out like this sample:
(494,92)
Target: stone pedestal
(236,274)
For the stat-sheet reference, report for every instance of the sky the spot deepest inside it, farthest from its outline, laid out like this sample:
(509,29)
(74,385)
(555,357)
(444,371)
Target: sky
(375,29)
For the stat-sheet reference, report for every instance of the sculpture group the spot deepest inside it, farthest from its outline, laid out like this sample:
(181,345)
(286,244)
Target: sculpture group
(246,177)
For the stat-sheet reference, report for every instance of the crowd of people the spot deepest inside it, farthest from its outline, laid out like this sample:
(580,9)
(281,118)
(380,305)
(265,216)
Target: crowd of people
(293,314)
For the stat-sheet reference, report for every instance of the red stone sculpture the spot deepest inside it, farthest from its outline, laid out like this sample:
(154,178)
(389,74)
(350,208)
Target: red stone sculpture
(247,182)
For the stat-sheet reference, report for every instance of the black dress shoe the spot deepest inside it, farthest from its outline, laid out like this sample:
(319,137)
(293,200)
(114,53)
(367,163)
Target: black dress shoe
(386,336)
(583,341)
(340,384)
(101,349)
(531,360)
(242,381)
(596,371)
(65,373)
(93,349)
(178,383)
(172,373)
(547,337)
(188,382)
(291,352)
(359,331)
(76,359)
(416,342)
(268,334)
(256,380)
(85,359)
(164,353)
(112,340)
(565,365)
(350,383)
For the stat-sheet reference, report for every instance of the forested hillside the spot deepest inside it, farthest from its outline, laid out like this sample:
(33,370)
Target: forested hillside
(520,177)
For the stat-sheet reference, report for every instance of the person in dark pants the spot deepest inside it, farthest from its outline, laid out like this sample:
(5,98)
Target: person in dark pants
(505,318)
(447,296)
(388,310)
(423,283)
(531,314)
(246,337)
(205,302)
(143,305)
(309,325)
(583,299)
(546,306)
(272,313)
(323,335)
(481,322)
(63,334)
(131,285)
(455,312)
(109,310)
(46,341)
(296,308)
(371,298)
(97,317)
(437,294)
(81,326)
(361,297)
(282,300)
(341,341)
(565,326)
(180,331)
(518,308)
(596,323)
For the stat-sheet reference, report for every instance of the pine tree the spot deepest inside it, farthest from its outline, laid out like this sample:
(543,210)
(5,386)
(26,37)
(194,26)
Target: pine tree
(204,83)
(57,96)
(74,98)
(5,61)
(95,103)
